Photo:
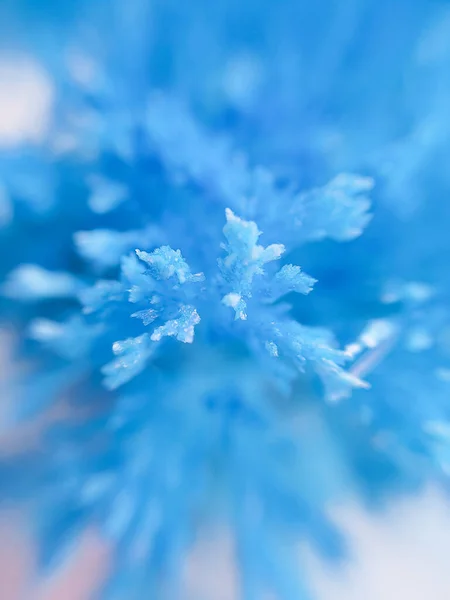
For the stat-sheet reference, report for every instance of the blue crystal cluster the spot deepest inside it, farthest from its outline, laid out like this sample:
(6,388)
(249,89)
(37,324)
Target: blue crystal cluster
(235,225)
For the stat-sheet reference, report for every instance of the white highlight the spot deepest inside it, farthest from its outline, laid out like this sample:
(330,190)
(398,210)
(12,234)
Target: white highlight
(26,98)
